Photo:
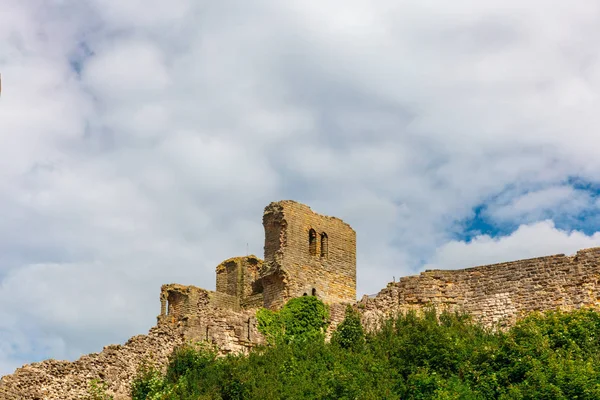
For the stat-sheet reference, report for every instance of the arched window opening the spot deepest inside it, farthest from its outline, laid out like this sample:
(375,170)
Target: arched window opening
(312,242)
(324,245)
(314,292)
(304,294)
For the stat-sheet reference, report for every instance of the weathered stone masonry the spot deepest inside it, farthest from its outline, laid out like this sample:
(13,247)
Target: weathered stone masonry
(115,365)
(310,254)
(307,254)
(203,315)
(498,294)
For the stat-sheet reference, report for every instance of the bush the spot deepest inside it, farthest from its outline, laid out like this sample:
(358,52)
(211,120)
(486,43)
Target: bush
(301,319)
(147,382)
(349,333)
(188,358)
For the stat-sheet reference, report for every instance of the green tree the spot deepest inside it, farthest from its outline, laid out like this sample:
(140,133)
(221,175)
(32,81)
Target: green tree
(299,320)
(147,382)
(349,333)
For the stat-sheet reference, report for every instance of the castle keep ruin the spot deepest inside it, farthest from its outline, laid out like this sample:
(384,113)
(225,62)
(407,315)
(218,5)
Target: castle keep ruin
(305,254)
(310,254)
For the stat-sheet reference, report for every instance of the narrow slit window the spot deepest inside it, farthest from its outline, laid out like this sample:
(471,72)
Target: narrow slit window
(324,245)
(314,292)
(312,242)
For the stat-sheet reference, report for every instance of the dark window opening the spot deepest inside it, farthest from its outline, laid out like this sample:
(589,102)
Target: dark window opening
(314,292)
(304,294)
(312,242)
(324,245)
(257,286)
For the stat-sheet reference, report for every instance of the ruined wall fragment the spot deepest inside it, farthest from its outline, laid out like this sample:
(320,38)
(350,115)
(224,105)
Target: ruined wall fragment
(239,277)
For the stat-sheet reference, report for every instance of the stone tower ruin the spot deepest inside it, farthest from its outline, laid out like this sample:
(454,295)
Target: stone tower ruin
(307,254)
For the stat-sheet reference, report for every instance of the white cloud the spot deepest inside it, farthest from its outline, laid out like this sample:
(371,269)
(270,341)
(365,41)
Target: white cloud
(129,68)
(545,203)
(153,162)
(138,14)
(528,241)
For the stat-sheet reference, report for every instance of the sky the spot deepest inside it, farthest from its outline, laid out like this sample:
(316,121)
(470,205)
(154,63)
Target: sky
(141,140)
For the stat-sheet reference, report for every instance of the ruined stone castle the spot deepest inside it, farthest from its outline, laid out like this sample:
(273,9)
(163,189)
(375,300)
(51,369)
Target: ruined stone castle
(310,254)
(305,254)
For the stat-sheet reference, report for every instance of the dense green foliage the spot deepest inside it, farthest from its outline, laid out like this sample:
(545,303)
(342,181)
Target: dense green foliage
(301,319)
(545,356)
(349,333)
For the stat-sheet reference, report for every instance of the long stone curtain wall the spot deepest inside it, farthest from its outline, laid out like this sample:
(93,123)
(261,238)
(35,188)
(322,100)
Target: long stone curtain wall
(496,295)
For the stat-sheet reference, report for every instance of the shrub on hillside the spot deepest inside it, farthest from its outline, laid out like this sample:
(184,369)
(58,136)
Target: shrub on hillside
(300,319)
(349,334)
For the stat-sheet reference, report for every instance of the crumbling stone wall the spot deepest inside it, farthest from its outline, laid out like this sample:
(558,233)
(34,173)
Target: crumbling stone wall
(116,365)
(239,277)
(188,313)
(496,295)
(307,253)
(210,316)
(253,301)
(182,301)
